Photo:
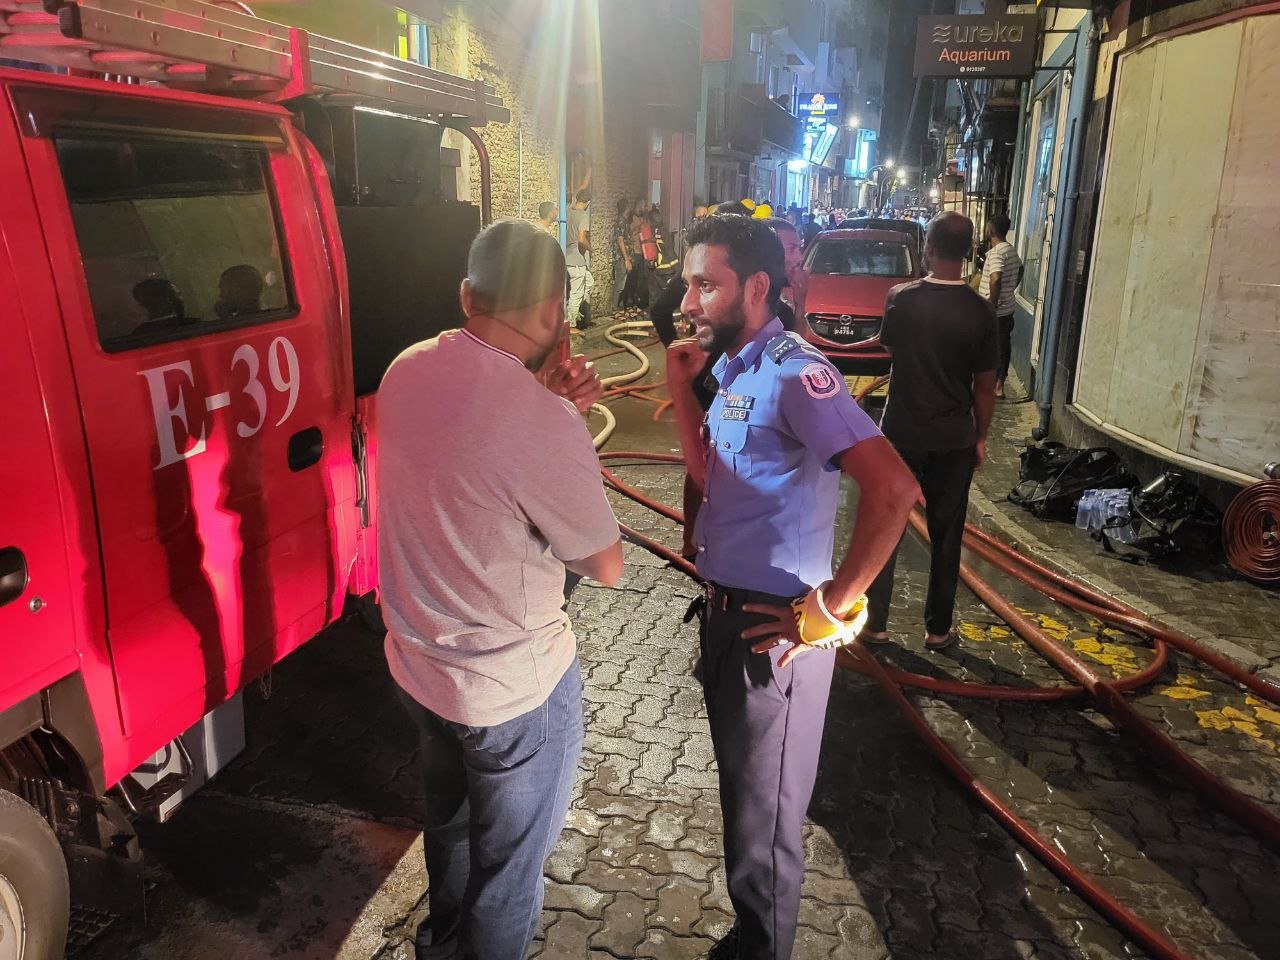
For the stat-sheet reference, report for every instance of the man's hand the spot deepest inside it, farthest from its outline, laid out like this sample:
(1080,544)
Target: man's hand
(576,380)
(782,630)
(685,360)
(980,455)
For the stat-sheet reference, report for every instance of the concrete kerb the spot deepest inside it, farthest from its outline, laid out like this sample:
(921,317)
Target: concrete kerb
(986,514)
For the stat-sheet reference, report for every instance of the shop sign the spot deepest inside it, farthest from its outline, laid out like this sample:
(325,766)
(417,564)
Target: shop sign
(819,109)
(977,46)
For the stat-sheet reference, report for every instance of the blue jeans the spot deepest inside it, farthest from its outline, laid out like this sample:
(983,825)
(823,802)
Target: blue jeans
(496,802)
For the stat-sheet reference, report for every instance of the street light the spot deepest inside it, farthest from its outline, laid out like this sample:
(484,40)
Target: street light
(853,122)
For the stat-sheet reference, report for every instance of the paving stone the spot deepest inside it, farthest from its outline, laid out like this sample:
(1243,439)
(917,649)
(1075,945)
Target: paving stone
(666,828)
(662,945)
(619,842)
(569,857)
(679,906)
(567,937)
(610,879)
(624,925)
(575,897)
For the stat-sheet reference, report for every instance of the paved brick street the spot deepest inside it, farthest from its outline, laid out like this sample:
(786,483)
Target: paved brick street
(306,847)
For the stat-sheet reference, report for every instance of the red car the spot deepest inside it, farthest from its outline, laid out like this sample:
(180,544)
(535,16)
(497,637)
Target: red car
(850,274)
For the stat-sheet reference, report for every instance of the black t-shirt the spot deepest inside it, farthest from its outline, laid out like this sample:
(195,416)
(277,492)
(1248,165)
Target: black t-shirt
(940,334)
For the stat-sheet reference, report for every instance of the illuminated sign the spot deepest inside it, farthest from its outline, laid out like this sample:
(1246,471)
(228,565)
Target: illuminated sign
(976,46)
(819,109)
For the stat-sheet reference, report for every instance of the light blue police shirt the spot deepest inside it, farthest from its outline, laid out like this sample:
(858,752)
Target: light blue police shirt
(781,416)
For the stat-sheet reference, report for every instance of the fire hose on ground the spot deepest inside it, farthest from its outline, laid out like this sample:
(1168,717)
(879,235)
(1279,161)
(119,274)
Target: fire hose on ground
(1108,694)
(615,334)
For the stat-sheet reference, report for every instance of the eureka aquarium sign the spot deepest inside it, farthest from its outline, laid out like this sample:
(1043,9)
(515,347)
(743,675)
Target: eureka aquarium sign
(976,46)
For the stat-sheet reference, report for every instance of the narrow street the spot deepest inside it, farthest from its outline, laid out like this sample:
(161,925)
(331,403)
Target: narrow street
(305,847)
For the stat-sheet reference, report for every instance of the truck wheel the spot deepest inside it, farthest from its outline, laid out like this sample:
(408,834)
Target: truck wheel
(35,900)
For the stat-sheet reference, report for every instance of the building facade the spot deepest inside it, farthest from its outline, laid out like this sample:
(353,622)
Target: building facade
(791,117)
(1157,324)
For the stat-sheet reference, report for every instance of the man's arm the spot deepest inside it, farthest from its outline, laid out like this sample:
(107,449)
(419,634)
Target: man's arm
(663,310)
(605,566)
(584,240)
(993,292)
(984,408)
(887,492)
(685,359)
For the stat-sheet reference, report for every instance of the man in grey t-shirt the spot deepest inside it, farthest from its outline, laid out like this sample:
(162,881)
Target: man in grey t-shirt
(577,257)
(488,489)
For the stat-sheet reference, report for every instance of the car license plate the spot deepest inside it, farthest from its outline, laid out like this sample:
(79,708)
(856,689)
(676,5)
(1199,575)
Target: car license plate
(844,330)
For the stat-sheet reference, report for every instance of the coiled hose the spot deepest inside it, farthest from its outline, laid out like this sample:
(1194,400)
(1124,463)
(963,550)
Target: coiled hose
(1251,532)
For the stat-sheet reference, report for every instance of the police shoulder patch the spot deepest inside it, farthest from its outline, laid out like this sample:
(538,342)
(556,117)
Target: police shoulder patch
(820,382)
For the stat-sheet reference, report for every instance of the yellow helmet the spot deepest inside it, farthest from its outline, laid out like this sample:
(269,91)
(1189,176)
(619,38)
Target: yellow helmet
(762,212)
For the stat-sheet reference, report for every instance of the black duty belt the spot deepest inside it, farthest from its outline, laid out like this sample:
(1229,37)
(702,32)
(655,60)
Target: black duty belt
(716,596)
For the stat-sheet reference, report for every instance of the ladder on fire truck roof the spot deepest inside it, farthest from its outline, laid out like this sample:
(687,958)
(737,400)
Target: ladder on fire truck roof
(223,48)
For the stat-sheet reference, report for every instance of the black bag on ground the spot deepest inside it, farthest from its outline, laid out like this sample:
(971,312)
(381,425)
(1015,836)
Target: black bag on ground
(1169,517)
(1052,477)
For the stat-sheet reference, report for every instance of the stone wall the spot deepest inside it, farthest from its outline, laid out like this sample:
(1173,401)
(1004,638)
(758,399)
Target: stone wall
(483,40)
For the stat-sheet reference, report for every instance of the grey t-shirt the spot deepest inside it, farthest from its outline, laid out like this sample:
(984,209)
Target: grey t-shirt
(487,483)
(941,333)
(575,221)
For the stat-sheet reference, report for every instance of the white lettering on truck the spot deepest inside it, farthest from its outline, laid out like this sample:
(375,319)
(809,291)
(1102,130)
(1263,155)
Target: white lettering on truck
(175,444)
(166,415)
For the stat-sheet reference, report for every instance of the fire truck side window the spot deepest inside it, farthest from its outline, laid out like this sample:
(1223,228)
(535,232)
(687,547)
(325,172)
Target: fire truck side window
(178,237)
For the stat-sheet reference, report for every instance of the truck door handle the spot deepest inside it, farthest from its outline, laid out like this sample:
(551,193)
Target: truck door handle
(13,575)
(305,448)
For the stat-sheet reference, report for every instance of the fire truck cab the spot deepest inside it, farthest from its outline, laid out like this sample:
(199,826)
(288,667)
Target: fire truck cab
(216,234)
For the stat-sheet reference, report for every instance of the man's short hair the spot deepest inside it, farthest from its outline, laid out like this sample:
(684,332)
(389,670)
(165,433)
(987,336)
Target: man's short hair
(545,209)
(951,235)
(514,264)
(1000,224)
(750,246)
(736,208)
(583,195)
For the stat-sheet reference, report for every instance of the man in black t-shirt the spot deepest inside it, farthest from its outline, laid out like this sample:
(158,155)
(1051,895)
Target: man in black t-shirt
(943,340)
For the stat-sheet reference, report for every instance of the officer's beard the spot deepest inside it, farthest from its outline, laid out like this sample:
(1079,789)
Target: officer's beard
(726,331)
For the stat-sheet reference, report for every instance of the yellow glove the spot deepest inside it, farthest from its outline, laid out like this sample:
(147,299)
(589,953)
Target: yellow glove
(819,627)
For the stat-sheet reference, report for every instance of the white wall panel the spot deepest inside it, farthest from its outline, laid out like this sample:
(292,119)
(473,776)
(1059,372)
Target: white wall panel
(1181,347)
(1233,417)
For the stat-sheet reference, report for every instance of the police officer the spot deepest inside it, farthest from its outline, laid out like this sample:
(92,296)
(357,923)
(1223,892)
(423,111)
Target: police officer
(781,429)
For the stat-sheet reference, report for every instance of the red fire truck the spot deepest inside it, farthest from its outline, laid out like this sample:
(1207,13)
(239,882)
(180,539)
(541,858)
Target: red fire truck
(217,232)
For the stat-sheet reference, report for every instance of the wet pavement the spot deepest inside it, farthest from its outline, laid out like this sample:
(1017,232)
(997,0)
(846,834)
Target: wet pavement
(305,846)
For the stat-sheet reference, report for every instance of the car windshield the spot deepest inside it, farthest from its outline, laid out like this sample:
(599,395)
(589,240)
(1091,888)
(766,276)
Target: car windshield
(851,256)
